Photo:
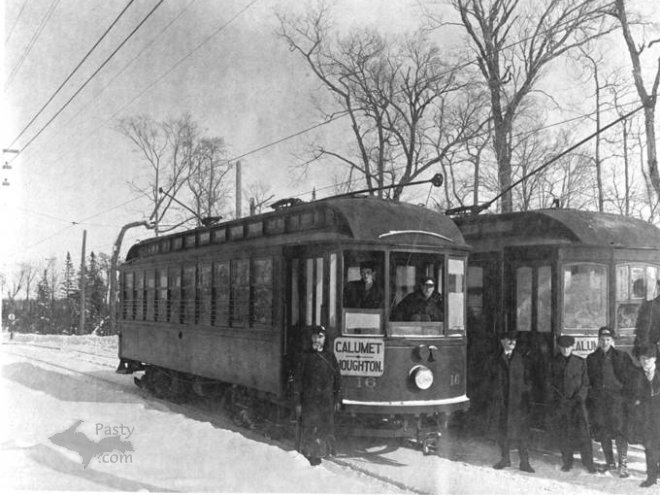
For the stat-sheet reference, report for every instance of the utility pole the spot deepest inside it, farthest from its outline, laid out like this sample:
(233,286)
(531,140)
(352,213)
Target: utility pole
(81,328)
(238,190)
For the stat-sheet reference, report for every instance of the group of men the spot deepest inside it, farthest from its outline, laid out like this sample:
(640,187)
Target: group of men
(606,395)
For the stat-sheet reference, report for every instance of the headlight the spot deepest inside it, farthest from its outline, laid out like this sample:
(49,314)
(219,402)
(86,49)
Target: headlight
(422,376)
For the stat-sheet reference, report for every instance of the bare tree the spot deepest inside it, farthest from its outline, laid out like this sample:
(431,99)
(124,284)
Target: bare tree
(206,177)
(396,93)
(648,97)
(514,41)
(260,195)
(166,148)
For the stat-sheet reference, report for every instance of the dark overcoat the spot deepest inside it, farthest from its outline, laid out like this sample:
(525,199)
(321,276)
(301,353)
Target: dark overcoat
(356,295)
(608,408)
(647,326)
(317,388)
(569,383)
(508,386)
(414,307)
(644,421)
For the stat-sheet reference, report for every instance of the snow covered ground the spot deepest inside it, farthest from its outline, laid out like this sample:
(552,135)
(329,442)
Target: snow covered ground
(62,401)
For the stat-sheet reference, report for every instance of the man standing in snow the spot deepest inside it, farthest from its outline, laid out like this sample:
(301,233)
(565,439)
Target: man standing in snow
(509,388)
(644,426)
(317,394)
(608,370)
(569,383)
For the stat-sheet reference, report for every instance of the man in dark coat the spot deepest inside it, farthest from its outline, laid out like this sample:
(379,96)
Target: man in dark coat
(645,410)
(609,370)
(425,304)
(317,394)
(364,293)
(570,384)
(647,326)
(509,390)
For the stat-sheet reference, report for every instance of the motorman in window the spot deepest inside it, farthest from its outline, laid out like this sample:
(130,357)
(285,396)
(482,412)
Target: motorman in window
(317,395)
(569,384)
(609,370)
(425,304)
(364,293)
(508,387)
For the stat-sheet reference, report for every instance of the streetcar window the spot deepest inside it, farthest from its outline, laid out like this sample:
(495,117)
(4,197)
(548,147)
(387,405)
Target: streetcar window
(150,293)
(174,295)
(240,293)
(544,300)
(255,229)
(634,284)
(417,293)
(204,238)
(332,302)
(129,308)
(162,296)
(188,294)
(190,241)
(219,235)
(313,296)
(204,294)
(524,299)
(364,278)
(455,296)
(262,291)
(585,296)
(139,295)
(220,312)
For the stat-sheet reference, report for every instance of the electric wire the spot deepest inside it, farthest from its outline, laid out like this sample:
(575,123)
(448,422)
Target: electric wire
(130,35)
(32,42)
(160,78)
(11,30)
(71,74)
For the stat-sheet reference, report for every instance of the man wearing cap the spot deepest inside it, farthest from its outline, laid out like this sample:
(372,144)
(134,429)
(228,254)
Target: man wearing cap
(364,293)
(645,410)
(569,384)
(508,389)
(609,371)
(425,304)
(317,396)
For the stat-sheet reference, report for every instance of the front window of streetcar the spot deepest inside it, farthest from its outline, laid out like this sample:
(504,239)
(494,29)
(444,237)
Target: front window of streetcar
(363,293)
(585,296)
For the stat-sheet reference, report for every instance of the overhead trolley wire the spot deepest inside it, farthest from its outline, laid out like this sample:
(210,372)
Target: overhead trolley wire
(163,75)
(130,35)
(32,42)
(56,92)
(11,30)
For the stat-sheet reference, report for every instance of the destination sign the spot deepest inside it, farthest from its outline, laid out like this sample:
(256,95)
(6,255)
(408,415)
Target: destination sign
(585,345)
(360,356)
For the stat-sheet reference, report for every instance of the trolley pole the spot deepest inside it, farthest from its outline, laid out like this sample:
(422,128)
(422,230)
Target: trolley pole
(81,328)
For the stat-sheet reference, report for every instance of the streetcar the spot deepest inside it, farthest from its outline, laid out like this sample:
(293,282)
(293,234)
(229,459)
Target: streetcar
(229,304)
(554,272)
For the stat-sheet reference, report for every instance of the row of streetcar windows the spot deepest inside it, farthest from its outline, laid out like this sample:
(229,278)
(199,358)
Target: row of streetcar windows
(586,295)
(236,293)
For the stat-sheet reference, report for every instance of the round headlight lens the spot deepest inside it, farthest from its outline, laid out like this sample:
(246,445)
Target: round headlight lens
(422,376)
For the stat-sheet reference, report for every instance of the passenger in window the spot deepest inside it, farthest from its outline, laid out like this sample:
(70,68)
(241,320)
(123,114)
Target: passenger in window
(425,304)
(609,371)
(569,383)
(366,292)
(317,395)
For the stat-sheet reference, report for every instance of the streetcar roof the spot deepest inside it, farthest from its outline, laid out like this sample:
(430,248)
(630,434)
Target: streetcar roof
(561,226)
(352,218)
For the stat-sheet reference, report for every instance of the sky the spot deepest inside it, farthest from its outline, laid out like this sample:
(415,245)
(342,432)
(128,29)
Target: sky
(218,60)
(53,386)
